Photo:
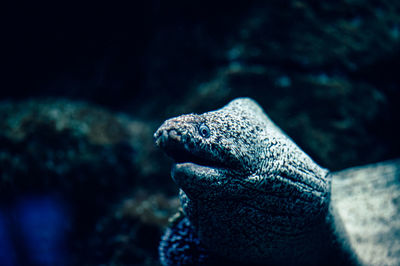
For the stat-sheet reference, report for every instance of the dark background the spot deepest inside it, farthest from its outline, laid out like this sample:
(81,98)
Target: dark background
(83,88)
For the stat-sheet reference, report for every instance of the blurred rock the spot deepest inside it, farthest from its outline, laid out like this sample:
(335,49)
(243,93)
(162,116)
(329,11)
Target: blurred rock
(131,232)
(313,35)
(72,146)
(85,156)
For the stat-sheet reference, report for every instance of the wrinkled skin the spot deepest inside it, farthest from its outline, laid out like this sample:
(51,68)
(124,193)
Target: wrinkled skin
(250,193)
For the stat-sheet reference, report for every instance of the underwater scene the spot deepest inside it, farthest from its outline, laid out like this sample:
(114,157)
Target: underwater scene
(200,133)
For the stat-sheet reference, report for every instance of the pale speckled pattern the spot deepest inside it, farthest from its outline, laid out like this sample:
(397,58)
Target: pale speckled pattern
(368,201)
(249,191)
(180,245)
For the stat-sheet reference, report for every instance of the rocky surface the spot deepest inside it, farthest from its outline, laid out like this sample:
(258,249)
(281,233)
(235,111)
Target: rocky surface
(131,233)
(89,160)
(73,144)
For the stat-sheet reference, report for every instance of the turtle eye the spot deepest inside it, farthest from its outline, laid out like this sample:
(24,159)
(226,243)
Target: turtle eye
(204,131)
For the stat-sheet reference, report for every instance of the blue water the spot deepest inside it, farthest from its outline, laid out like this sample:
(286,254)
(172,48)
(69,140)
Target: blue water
(33,231)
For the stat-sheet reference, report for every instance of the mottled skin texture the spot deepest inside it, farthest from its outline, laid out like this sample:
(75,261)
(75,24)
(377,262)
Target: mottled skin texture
(249,192)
